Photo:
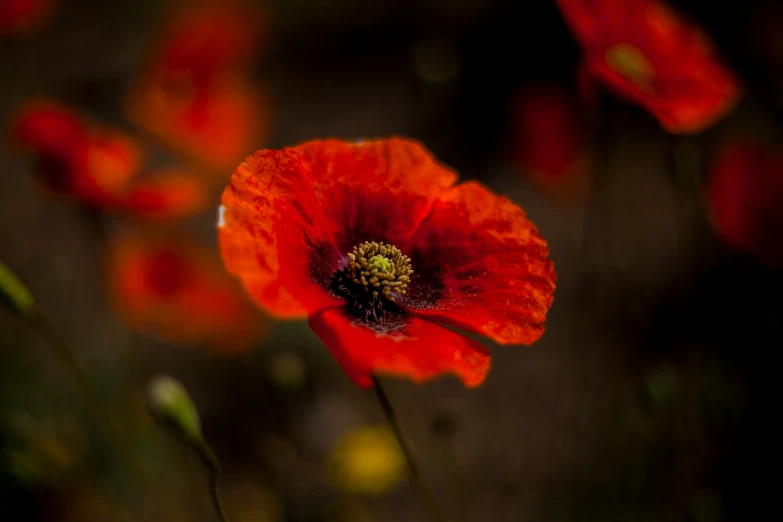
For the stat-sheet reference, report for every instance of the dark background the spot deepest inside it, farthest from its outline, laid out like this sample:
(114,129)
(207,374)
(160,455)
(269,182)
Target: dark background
(653,395)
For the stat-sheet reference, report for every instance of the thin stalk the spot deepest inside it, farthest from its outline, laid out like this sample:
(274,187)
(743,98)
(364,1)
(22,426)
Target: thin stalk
(212,466)
(421,487)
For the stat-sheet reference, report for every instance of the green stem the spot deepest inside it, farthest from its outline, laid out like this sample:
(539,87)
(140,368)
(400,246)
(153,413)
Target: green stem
(424,492)
(212,466)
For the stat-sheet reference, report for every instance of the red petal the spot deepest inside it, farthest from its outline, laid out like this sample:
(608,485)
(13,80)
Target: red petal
(93,164)
(216,124)
(274,236)
(165,196)
(579,16)
(18,17)
(374,190)
(60,140)
(746,199)
(208,38)
(480,264)
(417,349)
(179,292)
(113,158)
(548,139)
(48,127)
(688,90)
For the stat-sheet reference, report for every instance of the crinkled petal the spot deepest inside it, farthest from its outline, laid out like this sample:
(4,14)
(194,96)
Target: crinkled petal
(480,264)
(414,348)
(376,190)
(274,236)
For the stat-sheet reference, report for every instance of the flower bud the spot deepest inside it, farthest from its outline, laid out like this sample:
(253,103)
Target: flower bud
(171,407)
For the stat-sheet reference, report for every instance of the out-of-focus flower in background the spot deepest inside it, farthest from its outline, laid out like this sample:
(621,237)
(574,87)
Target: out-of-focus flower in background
(99,166)
(548,141)
(368,461)
(164,194)
(177,291)
(746,199)
(323,230)
(21,17)
(648,54)
(196,93)
(92,164)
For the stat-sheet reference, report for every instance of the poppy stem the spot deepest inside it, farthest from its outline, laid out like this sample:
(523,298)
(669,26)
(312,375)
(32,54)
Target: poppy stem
(212,466)
(424,492)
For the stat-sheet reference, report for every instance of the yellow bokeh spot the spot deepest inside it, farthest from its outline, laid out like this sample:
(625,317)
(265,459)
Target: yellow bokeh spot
(367,461)
(631,63)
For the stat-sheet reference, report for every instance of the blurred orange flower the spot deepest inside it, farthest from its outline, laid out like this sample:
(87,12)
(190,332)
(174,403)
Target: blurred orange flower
(99,166)
(548,139)
(172,289)
(648,54)
(165,194)
(746,199)
(195,94)
(324,231)
(19,17)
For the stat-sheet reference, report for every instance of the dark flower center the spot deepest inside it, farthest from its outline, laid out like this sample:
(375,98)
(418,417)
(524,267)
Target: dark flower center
(167,273)
(631,63)
(375,273)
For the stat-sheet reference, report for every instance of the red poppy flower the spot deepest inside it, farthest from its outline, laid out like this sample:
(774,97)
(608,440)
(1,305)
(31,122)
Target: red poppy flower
(649,55)
(194,94)
(99,166)
(375,243)
(207,38)
(180,293)
(548,139)
(746,199)
(215,125)
(22,16)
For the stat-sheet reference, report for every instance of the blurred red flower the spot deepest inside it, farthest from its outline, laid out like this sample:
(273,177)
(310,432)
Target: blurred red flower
(18,17)
(99,166)
(746,199)
(172,289)
(325,230)
(195,94)
(548,139)
(648,54)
